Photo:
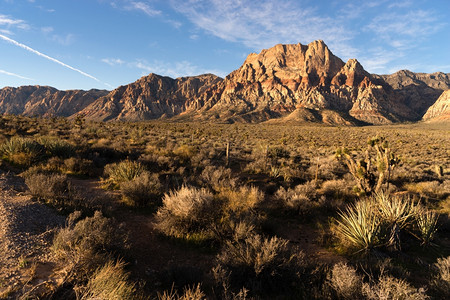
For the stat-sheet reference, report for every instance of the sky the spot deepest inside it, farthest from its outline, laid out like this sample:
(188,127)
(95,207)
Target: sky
(84,44)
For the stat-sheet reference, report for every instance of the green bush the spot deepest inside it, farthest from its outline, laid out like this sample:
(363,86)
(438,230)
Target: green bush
(123,171)
(22,151)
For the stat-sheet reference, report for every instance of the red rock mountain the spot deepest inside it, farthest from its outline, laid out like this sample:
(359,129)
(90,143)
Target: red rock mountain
(418,90)
(288,78)
(45,101)
(286,83)
(151,97)
(440,110)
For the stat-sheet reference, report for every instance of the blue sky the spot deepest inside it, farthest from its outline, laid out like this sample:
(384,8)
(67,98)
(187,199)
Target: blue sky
(83,44)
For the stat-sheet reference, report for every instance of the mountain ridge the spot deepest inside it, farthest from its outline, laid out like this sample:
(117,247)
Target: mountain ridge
(284,83)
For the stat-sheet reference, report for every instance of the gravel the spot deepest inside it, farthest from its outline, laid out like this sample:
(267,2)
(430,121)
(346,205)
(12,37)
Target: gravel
(26,228)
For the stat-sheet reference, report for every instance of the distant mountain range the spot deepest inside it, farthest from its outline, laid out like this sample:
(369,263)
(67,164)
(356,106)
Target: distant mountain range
(284,84)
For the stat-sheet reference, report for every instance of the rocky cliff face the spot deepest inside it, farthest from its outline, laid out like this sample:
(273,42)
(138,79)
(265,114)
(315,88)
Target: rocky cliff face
(45,101)
(280,80)
(418,90)
(289,83)
(440,110)
(150,97)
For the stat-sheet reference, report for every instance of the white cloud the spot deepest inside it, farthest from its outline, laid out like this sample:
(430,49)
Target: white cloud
(8,22)
(174,70)
(23,46)
(113,61)
(264,23)
(144,7)
(401,30)
(15,75)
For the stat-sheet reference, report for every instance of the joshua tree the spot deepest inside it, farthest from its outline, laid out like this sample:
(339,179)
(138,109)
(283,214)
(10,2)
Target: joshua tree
(373,168)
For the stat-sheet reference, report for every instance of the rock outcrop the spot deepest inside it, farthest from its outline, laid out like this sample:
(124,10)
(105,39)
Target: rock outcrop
(45,101)
(418,90)
(284,78)
(440,110)
(150,97)
(286,83)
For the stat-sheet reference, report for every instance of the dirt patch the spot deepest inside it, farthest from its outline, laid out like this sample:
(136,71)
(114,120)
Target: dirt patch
(26,233)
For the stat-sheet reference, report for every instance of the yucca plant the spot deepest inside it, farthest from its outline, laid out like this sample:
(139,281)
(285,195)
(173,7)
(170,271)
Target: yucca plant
(427,225)
(123,171)
(57,147)
(110,282)
(21,151)
(360,225)
(396,213)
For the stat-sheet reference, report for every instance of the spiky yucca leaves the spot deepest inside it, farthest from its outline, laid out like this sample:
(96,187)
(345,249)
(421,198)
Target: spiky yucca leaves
(22,151)
(426,221)
(110,282)
(190,293)
(125,170)
(396,213)
(360,225)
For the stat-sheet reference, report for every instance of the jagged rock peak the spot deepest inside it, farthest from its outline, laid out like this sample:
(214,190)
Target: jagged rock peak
(351,74)
(314,57)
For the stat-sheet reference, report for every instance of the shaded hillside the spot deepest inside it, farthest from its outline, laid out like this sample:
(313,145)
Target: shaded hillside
(150,97)
(45,101)
(418,90)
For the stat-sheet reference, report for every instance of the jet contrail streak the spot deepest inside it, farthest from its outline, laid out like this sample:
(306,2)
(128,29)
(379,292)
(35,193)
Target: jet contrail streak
(47,57)
(15,75)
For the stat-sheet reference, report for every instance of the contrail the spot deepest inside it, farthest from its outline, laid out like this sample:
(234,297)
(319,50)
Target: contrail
(48,57)
(15,75)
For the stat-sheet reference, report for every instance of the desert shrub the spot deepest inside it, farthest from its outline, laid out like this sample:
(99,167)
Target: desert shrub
(327,168)
(380,221)
(238,206)
(189,293)
(218,177)
(388,287)
(345,281)
(241,201)
(22,151)
(142,190)
(441,281)
(185,152)
(359,226)
(57,147)
(109,282)
(433,189)
(126,170)
(301,199)
(262,265)
(78,166)
(186,212)
(396,212)
(54,189)
(426,224)
(84,244)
